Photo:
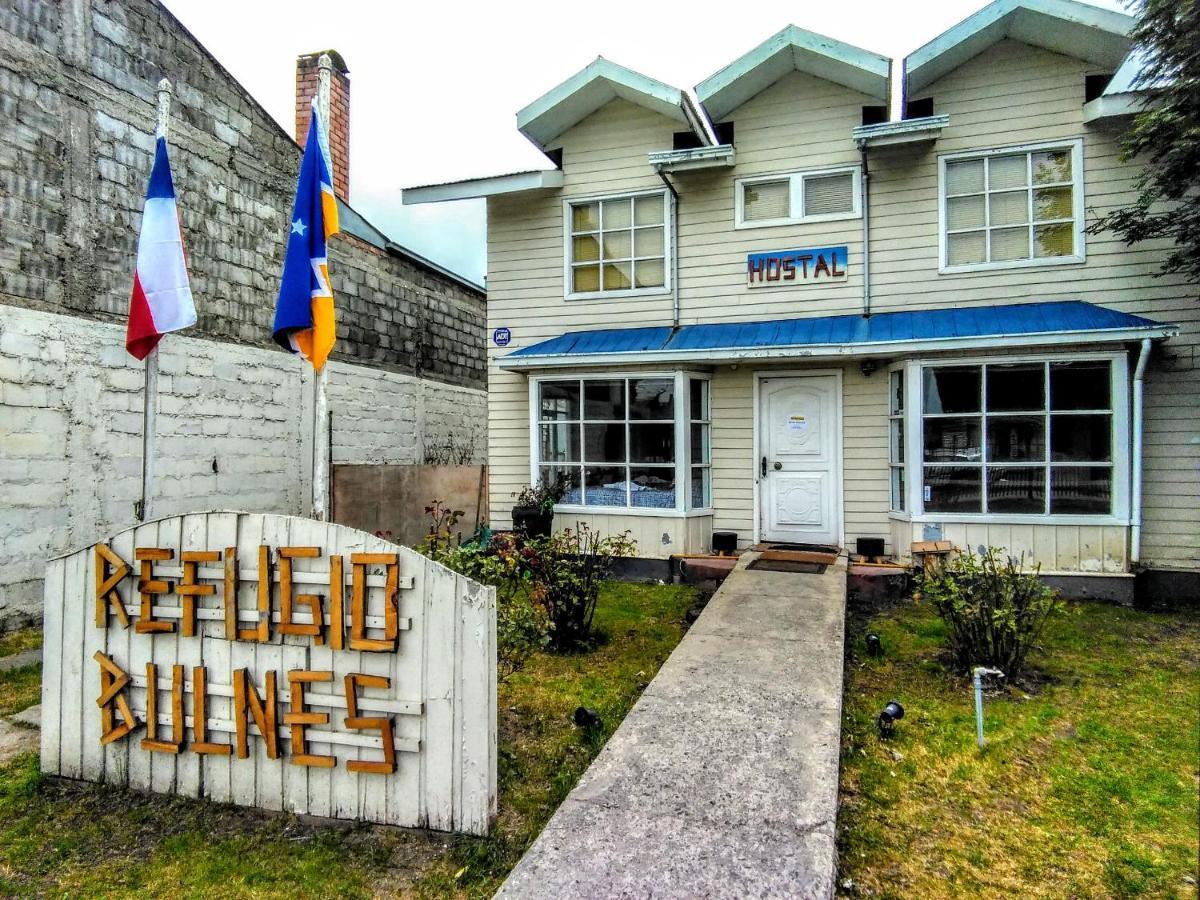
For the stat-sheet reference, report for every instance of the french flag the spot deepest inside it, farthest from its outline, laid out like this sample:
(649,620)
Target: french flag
(162,299)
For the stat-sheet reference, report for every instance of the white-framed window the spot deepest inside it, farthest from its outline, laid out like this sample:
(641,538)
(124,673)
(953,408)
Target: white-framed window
(896,462)
(1032,439)
(1011,207)
(634,443)
(789,198)
(699,444)
(618,245)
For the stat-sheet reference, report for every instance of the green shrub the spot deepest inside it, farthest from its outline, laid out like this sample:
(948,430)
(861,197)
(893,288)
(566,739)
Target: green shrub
(522,623)
(994,610)
(567,569)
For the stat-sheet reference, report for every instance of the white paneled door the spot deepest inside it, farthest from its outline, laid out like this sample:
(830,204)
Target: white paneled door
(799,445)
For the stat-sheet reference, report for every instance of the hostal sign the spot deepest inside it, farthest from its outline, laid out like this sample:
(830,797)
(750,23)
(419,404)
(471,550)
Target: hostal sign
(276,662)
(784,267)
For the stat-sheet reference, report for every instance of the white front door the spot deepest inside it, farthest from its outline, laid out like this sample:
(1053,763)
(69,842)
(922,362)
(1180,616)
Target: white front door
(799,463)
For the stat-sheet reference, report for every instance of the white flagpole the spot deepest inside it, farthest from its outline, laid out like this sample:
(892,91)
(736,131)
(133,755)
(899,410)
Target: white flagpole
(321,437)
(150,390)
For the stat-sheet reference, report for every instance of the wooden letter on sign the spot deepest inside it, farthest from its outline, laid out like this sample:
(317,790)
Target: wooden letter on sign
(299,719)
(149,588)
(387,765)
(189,589)
(106,586)
(358,602)
(245,697)
(113,680)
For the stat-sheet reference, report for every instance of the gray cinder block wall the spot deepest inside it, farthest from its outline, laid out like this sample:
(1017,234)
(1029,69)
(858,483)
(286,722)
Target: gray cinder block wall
(77,93)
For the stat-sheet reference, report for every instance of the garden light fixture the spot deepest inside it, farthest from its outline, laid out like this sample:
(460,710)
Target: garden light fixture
(874,647)
(979,672)
(887,719)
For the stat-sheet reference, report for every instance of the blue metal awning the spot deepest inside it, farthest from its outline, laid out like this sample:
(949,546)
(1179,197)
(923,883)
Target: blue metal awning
(963,327)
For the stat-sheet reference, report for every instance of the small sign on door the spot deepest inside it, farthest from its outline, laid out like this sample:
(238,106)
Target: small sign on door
(798,423)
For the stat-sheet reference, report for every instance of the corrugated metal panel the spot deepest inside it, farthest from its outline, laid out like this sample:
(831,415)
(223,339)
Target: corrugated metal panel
(1054,317)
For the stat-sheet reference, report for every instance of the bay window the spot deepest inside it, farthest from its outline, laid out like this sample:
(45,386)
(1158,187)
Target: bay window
(1018,206)
(618,245)
(1022,438)
(638,442)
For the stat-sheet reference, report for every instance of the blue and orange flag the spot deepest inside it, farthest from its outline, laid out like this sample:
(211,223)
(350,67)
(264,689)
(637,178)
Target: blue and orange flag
(304,320)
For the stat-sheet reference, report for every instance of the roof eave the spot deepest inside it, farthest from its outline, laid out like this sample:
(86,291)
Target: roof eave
(475,188)
(1069,27)
(794,49)
(836,351)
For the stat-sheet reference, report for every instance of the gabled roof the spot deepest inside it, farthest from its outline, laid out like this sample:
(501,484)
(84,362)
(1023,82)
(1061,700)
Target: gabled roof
(1095,35)
(793,50)
(598,83)
(961,327)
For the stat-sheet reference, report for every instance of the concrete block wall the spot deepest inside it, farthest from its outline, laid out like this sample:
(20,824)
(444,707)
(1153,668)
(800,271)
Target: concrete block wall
(234,425)
(77,93)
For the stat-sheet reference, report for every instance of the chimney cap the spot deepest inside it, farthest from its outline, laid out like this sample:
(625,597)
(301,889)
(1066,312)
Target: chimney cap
(339,64)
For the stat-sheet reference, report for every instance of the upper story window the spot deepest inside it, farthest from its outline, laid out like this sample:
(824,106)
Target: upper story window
(618,246)
(1014,207)
(797,197)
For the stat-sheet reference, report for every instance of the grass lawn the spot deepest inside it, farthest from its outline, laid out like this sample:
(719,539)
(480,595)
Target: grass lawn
(75,839)
(20,688)
(1088,786)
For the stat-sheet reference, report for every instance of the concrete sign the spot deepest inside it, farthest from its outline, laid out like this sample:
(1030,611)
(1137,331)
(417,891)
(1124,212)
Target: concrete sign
(780,267)
(276,662)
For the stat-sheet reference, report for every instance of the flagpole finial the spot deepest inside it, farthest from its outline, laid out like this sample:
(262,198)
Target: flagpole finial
(164,107)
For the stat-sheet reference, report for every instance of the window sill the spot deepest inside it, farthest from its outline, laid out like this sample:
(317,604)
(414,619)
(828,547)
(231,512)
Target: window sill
(616,295)
(807,220)
(1009,519)
(1013,264)
(633,511)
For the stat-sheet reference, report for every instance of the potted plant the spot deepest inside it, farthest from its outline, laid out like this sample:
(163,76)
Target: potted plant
(533,513)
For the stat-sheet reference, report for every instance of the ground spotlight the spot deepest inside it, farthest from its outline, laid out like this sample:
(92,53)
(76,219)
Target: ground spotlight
(887,718)
(874,647)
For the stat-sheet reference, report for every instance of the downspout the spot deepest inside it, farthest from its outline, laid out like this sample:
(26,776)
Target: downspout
(674,251)
(866,230)
(1135,488)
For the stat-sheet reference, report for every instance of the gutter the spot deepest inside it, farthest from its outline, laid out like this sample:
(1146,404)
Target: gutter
(1135,499)
(674,250)
(866,228)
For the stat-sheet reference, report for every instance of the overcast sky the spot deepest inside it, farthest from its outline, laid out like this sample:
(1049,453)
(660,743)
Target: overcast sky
(435,86)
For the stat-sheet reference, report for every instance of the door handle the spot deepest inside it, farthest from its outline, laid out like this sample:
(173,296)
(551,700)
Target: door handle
(764,467)
(778,465)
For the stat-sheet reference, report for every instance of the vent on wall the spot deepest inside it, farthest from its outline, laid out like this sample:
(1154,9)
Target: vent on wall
(873,115)
(689,140)
(1094,85)
(918,109)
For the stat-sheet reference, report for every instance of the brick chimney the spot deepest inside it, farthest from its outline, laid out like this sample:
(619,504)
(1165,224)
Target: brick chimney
(339,112)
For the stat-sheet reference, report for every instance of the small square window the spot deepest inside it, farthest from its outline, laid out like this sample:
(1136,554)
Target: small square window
(798,197)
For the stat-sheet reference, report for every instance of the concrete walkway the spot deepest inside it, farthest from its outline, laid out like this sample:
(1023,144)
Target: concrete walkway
(722,780)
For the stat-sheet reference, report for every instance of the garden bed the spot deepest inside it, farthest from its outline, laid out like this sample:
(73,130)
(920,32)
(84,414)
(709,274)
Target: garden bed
(62,837)
(1087,786)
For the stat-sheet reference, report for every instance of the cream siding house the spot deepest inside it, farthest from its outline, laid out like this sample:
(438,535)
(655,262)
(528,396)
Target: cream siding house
(772,311)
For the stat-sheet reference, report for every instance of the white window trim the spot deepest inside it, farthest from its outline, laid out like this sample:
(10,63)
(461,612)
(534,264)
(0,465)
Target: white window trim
(796,180)
(683,448)
(1076,147)
(668,246)
(893,512)
(914,458)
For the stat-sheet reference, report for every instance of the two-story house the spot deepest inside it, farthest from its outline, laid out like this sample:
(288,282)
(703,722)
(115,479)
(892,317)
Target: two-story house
(773,310)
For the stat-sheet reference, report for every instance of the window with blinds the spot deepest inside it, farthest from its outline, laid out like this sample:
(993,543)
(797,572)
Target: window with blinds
(1012,208)
(798,197)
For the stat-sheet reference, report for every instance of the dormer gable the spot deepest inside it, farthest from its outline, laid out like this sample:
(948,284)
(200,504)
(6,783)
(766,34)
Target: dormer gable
(793,50)
(1099,37)
(595,86)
